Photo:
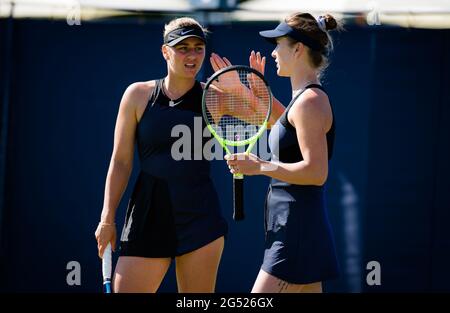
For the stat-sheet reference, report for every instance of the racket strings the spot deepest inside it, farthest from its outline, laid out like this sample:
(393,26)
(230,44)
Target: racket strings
(237,104)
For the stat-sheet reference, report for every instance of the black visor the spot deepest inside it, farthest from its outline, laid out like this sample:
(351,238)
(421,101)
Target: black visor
(284,29)
(180,34)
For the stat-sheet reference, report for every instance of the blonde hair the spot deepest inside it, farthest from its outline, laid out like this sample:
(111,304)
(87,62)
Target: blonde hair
(182,22)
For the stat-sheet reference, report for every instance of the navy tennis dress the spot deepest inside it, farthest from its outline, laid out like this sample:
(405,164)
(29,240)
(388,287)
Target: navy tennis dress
(174,208)
(299,246)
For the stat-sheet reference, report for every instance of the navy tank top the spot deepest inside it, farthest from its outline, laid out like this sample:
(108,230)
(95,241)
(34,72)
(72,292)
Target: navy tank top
(299,242)
(289,150)
(170,148)
(165,136)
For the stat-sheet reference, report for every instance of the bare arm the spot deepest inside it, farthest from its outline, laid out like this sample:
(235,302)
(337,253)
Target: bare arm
(311,116)
(277,110)
(258,62)
(121,163)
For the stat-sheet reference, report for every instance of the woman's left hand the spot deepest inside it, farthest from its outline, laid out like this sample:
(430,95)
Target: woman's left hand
(229,82)
(243,163)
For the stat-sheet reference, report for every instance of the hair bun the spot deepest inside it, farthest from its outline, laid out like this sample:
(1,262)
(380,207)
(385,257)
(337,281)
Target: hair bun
(330,22)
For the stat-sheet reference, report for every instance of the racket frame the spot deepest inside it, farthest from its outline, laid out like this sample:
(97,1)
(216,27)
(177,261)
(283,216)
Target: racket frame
(236,143)
(237,177)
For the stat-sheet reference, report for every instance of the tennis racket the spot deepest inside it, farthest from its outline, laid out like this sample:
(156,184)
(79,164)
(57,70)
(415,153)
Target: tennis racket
(236,106)
(107,268)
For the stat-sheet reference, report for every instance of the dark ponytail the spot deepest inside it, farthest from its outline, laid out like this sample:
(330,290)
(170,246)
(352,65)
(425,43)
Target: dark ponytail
(318,31)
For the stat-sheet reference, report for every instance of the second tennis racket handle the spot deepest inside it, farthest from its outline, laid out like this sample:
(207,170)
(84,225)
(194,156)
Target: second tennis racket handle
(107,286)
(238,199)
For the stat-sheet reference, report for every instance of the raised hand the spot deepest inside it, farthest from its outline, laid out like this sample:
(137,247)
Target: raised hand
(229,89)
(229,82)
(258,63)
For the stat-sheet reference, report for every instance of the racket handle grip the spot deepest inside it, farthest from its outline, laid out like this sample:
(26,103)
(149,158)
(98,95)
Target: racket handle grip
(107,287)
(238,198)
(107,268)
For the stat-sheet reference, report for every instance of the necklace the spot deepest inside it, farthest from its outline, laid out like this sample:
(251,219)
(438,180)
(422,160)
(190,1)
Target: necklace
(172,103)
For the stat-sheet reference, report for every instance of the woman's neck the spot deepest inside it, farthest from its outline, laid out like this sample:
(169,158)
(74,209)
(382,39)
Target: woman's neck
(174,88)
(300,80)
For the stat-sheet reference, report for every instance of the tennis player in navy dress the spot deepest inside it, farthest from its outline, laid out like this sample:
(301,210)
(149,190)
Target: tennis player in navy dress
(299,246)
(174,211)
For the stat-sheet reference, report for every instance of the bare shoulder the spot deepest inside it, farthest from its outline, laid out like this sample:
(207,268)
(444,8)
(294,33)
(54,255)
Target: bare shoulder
(313,106)
(139,92)
(312,99)
(136,96)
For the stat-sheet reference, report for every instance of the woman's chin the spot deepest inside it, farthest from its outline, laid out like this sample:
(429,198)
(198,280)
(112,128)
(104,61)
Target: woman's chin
(191,73)
(280,73)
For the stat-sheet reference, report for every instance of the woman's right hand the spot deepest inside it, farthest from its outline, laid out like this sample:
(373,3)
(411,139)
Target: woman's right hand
(105,233)
(257,62)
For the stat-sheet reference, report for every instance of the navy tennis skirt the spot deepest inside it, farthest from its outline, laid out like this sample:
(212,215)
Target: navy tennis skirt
(299,246)
(164,219)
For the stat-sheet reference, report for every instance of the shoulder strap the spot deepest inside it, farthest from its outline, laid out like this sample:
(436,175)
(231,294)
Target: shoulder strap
(283,118)
(156,91)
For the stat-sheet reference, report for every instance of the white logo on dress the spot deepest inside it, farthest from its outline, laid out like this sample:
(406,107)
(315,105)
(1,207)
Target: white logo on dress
(173,103)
